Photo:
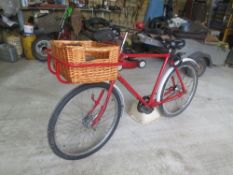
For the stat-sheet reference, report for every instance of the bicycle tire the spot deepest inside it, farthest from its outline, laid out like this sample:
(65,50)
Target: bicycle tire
(202,64)
(38,47)
(57,113)
(186,67)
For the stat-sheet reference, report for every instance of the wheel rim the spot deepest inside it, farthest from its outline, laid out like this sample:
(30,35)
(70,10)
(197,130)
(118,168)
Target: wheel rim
(41,46)
(72,136)
(177,105)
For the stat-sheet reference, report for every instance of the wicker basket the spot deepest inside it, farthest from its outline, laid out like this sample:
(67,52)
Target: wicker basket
(75,60)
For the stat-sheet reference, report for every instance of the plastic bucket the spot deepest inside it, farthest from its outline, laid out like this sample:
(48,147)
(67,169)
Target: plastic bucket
(27,41)
(28,29)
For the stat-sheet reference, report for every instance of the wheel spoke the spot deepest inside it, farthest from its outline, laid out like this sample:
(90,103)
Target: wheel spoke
(178,104)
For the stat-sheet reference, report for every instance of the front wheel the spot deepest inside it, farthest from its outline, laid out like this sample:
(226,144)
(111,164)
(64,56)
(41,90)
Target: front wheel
(70,132)
(173,88)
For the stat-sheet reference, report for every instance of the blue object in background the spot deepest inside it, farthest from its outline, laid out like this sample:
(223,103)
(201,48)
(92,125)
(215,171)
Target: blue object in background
(155,9)
(60,2)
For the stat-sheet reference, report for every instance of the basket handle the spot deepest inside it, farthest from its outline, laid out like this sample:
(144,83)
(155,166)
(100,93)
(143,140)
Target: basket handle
(57,68)
(49,56)
(62,80)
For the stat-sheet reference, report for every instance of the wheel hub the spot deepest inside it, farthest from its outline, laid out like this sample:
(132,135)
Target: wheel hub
(177,88)
(87,121)
(41,46)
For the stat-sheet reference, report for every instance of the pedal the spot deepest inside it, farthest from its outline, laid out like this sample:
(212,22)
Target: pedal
(142,117)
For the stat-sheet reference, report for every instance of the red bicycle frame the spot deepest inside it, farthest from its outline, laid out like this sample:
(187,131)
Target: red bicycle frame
(151,102)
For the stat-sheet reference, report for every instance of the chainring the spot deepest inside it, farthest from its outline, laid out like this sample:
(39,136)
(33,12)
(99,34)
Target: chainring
(144,109)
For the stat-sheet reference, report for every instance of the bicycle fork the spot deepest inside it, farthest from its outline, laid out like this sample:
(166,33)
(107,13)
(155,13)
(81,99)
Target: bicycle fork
(94,121)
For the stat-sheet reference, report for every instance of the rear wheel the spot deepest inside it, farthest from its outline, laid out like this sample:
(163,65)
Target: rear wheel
(70,132)
(173,87)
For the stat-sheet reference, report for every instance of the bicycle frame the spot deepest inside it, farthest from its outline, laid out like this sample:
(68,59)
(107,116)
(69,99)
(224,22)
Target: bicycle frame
(152,102)
(123,81)
(166,56)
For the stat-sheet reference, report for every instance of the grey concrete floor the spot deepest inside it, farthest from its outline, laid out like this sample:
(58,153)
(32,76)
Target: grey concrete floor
(197,142)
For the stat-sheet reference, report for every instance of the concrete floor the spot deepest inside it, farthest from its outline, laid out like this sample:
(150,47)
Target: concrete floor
(197,142)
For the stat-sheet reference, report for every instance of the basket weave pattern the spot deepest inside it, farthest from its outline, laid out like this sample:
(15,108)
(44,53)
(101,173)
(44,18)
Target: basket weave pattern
(85,53)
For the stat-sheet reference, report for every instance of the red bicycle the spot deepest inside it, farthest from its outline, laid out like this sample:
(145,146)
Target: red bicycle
(86,118)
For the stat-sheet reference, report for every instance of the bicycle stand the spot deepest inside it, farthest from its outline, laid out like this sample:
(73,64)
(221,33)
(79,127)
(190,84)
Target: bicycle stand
(142,117)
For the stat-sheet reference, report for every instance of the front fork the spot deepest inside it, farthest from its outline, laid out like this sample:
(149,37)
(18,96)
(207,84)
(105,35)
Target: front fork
(103,107)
